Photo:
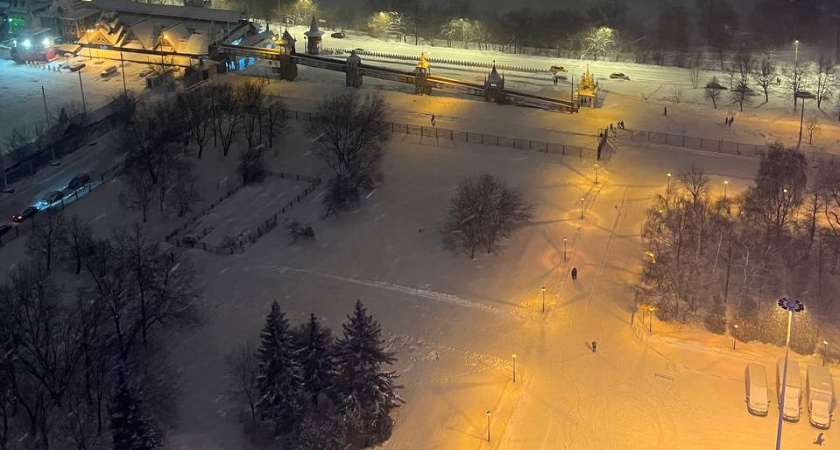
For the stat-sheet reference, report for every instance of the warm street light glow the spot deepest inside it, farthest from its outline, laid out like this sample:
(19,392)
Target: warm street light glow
(725,185)
(669,183)
(488,426)
(791,305)
(514,367)
(543,310)
(564,249)
(733,335)
(825,351)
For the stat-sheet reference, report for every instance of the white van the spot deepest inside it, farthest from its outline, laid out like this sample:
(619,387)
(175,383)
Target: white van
(793,390)
(820,396)
(758,402)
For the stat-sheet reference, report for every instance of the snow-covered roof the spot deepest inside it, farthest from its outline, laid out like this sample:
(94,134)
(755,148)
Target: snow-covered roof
(185,12)
(494,75)
(314,31)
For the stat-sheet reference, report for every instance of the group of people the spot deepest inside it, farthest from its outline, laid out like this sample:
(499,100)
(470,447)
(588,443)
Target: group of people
(619,126)
(728,121)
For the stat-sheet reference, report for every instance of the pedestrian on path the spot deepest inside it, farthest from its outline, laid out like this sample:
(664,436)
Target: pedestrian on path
(574,273)
(820,439)
(666,111)
(731,121)
(594,346)
(611,129)
(433,120)
(726,121)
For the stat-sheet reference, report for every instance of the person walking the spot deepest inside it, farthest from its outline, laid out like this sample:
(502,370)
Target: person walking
(433,120)
(726,121)
(665,113)
(731,121)
(594,346)
(820,440)
(574,273)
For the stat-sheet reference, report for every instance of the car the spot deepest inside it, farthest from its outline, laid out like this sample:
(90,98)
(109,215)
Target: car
(557,69)
(619,76)
(5,228)
(339,34)
(108,71)
(75,67)
(52,197)
(25,214)
(78,181)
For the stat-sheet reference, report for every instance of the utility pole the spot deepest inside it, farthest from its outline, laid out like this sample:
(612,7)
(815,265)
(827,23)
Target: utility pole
(82,88)
(122,69)
(46,111)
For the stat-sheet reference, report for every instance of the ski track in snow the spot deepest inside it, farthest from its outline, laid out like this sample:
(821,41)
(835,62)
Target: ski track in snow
(414,292)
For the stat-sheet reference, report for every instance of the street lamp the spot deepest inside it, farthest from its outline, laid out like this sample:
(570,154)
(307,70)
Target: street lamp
(596,173)
(791,305)
(543,310)
(803,95)
(796,52)
(825,351)
(581,207)
(564,249)
(669,183)
(514,367)
(488,426)
(733,335)
(725,185)
(652,310)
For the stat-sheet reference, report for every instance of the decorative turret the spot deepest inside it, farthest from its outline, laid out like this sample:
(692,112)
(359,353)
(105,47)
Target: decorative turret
(587,89)
(421,73)
(288,42)
(313,45)
(494,86)
(353,75)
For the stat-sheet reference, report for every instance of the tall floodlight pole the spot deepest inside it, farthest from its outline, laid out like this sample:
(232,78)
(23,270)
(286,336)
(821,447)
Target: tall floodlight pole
(803,95)
(596,173)
(669,183)
(543,310)
(564,249)
(82,88)
(581,207)
(725,185)
(488,426)
(796,52)
(791,305)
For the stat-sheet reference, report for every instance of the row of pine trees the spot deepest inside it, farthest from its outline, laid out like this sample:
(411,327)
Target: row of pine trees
(320,392)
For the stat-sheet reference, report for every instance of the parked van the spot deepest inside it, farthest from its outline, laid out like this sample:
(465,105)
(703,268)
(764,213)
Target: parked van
(793,390)
(108,71)
(758,402)
(820,396)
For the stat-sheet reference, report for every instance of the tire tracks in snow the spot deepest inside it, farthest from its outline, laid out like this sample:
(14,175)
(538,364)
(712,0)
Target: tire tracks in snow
(409,291)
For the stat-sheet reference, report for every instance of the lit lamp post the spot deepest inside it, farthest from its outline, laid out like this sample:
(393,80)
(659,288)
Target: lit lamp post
(581,207)
(652,310)
(796,52)
(596,173)
(791,305)
(543,310)
(488,426)
(734,332)
(564,249)
(825,351)
(514,367)
(725,185)
(669,183)
(644,308)
(803,95)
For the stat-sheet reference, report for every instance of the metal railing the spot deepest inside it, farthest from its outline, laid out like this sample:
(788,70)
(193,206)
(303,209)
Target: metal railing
(470,137)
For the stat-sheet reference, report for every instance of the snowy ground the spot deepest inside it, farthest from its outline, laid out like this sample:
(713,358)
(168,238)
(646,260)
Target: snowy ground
(455,322)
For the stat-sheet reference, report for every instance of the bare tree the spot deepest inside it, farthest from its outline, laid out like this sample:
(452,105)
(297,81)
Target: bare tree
(243,369)
(696,182)
(350,134)
(740,94)
(196,108)
(778,191)
(713,90)
(252,166)
(825,78)
(77,241)
(227,114)
(138,192)
(183,184)
(794,78)
(483,211)
(763,73)
(275,122)
(813,127)
(43,242)
(251,97)
(743,63)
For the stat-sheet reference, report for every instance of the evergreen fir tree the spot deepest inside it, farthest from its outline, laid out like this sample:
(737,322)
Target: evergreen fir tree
(129,429)
(279,381)
(366,392)
(313,344)
(320,432)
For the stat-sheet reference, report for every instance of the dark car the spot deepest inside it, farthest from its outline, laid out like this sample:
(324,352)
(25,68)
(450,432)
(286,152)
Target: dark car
(78,181)
(25,214)
(5,228)
(339,34)
(52,197)
(619,76)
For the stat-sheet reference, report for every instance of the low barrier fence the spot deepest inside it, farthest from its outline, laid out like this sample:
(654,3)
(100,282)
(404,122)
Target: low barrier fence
(471,137)
(238,244)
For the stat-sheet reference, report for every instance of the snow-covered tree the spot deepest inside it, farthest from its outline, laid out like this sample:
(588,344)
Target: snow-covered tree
(599,41)
(320,432)
(763,73)
(313,351)
(366,392)
(712,91)
(130,430)
(279,380)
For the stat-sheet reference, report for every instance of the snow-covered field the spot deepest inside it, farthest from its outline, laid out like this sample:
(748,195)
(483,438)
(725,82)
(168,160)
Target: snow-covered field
(455,322)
